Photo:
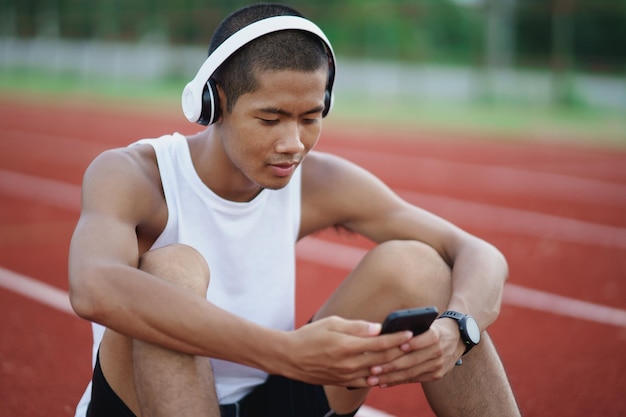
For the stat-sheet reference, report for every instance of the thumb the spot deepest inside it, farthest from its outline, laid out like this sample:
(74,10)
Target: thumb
(363,328)
(359,328)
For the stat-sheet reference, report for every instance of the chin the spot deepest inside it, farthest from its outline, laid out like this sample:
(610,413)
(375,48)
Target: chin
(276,184)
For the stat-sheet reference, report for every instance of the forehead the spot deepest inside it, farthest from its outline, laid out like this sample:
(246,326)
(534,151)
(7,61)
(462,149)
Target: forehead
(290,78)
(288,85)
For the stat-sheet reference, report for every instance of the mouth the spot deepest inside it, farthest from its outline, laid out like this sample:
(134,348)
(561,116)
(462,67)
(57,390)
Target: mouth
(284,169)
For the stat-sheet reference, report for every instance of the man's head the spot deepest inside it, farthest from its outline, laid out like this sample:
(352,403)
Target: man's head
(252,41)
(283,50)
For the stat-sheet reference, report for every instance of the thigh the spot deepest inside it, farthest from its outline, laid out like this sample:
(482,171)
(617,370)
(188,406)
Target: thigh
(394,275)
(178,264)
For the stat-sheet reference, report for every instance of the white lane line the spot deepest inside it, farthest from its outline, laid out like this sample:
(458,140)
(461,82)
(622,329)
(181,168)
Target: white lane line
(346,257)
(502,180)
(366,411)
(342,256)
(519,222)
(67,196)
(36,290)
(564,306)
(40,190)
(59,300)
(494,178)
(465,213)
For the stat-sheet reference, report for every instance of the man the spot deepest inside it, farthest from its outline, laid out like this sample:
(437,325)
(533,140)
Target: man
(185,250)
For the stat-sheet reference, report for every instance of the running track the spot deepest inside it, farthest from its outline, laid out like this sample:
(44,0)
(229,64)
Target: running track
(557,211)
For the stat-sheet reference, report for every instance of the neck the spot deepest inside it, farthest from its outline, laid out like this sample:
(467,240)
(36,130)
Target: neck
(216,170)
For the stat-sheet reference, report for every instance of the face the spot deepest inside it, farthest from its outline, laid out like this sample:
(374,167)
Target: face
(271,129)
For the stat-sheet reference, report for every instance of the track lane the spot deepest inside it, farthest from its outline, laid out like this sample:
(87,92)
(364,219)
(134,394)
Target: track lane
(575,351)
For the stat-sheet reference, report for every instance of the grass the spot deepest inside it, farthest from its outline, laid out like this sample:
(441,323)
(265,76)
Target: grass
(579,124)
(587,125)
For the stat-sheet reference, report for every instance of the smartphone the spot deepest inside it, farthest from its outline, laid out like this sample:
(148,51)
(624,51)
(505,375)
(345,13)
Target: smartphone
(417,320)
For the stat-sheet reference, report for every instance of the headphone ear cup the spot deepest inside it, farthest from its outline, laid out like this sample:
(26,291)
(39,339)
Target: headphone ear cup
(210,104)
(328,102)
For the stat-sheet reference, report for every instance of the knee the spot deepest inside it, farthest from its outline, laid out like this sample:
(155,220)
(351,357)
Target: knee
(179,264)
(411,272)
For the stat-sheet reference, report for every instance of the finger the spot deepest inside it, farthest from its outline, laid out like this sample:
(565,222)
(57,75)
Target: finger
(383,349)
(363,354)
(410,359)
(367,330)
(367,335)
(359,328)
(423,372)
(422,341)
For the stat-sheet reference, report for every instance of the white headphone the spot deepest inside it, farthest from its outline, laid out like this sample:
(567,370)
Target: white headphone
(200,99)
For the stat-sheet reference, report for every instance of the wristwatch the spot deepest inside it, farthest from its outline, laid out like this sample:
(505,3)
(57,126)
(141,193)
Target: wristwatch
(470,332)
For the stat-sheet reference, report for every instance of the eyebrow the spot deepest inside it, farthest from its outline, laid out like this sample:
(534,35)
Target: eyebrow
(275,110)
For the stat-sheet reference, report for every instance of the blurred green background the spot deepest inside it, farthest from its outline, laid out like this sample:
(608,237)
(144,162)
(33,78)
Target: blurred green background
(521,65)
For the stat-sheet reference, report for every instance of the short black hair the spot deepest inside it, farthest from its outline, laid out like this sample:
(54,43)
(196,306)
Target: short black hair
(283,50)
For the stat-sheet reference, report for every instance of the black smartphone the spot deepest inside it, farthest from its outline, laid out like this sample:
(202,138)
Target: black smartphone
(417,320)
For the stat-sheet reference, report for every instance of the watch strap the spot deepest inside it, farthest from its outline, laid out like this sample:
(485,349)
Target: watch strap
(452,315)
(459,319)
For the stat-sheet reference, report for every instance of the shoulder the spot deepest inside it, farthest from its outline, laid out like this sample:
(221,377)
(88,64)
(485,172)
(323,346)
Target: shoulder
(336,191)
(320,167)
(122,165)
(326,173)
(123,179)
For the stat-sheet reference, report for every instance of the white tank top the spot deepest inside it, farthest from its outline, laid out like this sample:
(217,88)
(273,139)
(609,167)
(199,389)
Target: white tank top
(250,249)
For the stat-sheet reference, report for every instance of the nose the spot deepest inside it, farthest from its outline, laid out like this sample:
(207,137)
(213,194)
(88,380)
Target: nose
(290,140)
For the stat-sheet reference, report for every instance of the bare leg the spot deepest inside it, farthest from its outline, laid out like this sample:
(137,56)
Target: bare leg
(481,382)
(394,275)
(401,274)
(154,381)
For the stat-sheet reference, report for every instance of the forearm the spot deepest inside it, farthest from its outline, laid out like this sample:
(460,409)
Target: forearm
(144,307)
(478,276)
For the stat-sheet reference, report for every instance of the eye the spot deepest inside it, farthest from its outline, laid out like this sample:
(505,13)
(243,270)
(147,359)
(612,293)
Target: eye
(310,121)
(269,122)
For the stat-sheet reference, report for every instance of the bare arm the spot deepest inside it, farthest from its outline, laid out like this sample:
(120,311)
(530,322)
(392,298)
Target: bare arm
(339,193)
(121,196)
(105,284)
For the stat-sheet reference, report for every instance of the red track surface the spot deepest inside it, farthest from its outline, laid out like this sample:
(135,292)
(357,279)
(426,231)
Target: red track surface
(558,365)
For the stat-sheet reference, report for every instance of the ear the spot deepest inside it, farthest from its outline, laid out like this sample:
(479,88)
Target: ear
(221,102)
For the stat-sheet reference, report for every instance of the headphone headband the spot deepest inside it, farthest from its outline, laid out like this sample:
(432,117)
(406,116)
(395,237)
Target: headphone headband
(192,98)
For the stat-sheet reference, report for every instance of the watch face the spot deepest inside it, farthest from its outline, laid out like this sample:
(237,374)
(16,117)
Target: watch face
(472,330)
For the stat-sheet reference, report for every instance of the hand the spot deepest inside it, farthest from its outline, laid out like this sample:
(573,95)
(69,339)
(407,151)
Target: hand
(336,351)
(428,357)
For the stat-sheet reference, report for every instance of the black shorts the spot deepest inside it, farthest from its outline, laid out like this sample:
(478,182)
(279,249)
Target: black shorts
(276,397)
